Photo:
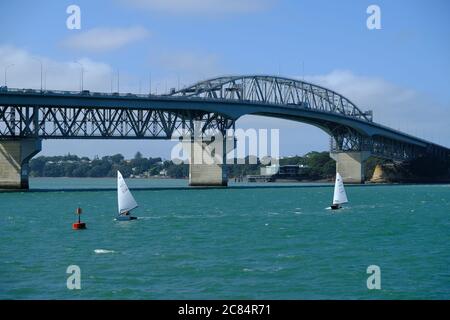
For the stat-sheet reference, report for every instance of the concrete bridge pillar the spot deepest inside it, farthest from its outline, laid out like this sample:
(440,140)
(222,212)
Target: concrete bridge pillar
(14,157)
(351,165)
(207,166)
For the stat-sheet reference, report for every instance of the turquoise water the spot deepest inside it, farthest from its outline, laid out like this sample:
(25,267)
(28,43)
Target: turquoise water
(235,243)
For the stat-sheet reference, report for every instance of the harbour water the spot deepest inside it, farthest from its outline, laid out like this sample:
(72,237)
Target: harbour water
(243,242)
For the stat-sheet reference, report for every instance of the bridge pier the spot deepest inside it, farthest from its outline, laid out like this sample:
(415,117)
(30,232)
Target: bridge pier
(14,157)
(207,166)
(351,165)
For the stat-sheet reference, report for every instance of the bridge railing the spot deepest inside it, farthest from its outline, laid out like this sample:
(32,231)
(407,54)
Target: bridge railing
(245,96)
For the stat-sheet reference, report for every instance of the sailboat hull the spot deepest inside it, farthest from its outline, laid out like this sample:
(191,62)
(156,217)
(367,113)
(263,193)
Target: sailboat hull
(125,218)
(335,207)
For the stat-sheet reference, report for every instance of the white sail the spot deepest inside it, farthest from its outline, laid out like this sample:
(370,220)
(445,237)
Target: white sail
(125,199)
(339,192)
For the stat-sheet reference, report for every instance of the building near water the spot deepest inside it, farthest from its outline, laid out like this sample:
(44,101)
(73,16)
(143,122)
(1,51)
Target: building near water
(291,169)
(276,172)
(269,170)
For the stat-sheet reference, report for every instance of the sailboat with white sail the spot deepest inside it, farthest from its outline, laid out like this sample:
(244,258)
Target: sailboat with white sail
(340,196)
(125,200)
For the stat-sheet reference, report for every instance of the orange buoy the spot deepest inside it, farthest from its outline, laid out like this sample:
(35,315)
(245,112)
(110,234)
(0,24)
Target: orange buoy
(78,225)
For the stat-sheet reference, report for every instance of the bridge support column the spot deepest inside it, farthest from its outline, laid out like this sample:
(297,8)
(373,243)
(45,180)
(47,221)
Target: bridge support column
(14,157)
(351,165)
(207,166)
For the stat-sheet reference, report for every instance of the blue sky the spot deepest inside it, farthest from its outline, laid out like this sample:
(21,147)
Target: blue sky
(398,71)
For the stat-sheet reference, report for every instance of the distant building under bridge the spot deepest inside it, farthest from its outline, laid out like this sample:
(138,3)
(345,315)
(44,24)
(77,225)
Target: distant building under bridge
(276,172)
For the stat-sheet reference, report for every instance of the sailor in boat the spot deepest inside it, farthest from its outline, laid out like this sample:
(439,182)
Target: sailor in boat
(335,206)
(125,216)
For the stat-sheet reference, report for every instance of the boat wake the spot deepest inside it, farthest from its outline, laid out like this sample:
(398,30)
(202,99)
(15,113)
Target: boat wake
(103,251)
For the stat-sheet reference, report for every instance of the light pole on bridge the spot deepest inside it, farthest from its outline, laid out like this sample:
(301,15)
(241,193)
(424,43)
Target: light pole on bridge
(82,73)
(118,81)
(40,61)
(149,83)
(6,68)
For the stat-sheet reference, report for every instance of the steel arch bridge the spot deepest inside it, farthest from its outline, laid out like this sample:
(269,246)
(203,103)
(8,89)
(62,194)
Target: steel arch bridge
(217,103)
(264,89)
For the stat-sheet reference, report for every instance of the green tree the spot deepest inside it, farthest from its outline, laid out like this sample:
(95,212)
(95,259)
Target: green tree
(53,170)
(37,166)
(117,158)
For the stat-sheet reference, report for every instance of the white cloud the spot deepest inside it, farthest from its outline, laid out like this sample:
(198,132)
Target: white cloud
(191,64)
(364,91)
(201,6)
(65,75)
(104,39)
(393,105)
(57,75)
(180,69)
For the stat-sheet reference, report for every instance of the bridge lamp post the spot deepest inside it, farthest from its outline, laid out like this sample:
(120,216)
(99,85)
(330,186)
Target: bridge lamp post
(45,79)
(40,61)
(82,73)
(118,81)
(6,69)
(150,83)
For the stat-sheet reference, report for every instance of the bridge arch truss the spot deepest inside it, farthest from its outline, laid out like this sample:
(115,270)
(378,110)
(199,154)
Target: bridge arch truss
(217,103)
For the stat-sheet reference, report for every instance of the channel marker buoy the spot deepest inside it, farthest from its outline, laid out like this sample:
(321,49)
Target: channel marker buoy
(78,225)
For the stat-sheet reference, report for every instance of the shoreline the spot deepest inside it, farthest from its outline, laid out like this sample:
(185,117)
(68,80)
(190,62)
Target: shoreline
(368,182)
(230,187)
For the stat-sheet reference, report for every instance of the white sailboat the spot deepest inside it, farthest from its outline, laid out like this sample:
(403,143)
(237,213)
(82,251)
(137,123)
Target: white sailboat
(339,196)
(125,200)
